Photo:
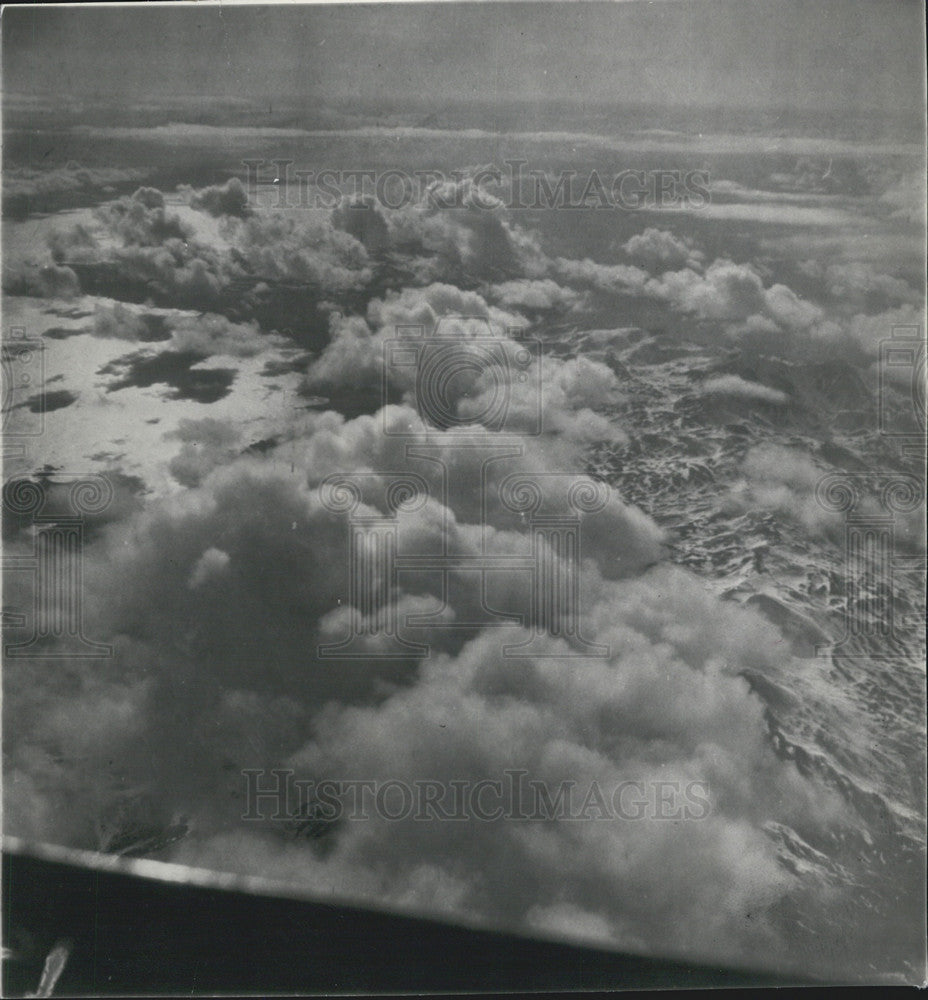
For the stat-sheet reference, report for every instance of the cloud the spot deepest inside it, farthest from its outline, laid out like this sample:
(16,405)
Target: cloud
(206,334)
(175,272)
(782,479)
(27,191)
(734,385)
(355,352)
(141,220)
(867,332)
(658,249)
(726,292)
(176,346)
(540,295)
(363,220)
(122,323)
(209,335)
(184,618)
(906,198)
(300,249)
(857,282)
(230,198)
(459,233)
(207,444)
(664,704)
(211,564)
(233,681)
(300,268)
(574,393)
(48,282)
(480,342)
(216,596)
(615,279)
(270,267)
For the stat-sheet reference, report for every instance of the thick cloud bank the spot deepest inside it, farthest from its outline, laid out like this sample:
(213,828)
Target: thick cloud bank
(219,592)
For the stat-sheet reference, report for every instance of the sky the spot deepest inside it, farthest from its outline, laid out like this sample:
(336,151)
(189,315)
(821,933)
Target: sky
(218,358)
(803,54)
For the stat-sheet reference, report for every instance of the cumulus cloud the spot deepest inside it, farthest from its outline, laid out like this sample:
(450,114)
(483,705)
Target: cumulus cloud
(856,282)
(205,335)
(783,479)
(905,197)
(476,351)
(120,322)
(210,335)
(213,563)
(663,703)
(297,249)
(27,190)
(270,266)
(216,600)
(248,568)
(207,444)
(615,279)
(463,233)
(867,332)
(50,281)
(658,249)
(218,200)
(294,268)
(363,220)
(145,254)
(142,220)
(536,294)
(354,354)
(217,597)
(574,394)
(726,292)
(734,385)
(457,232)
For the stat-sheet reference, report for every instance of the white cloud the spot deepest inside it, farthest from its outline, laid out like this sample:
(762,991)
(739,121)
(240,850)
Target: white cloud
(658,249)
(734,385)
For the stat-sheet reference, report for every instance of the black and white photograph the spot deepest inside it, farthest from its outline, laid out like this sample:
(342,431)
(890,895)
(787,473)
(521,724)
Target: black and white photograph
(463,496)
